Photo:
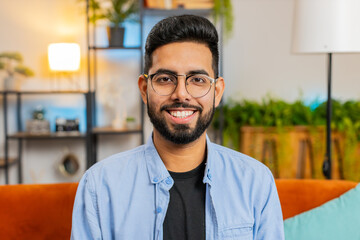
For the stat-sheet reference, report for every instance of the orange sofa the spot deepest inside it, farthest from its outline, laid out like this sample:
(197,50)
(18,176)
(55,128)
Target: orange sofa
(44,211)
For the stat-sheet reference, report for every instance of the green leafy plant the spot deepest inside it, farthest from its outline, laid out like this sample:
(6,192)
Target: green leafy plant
(130,119)
(277,113)
(268,113)
(115,11)
(223,8)
(11,63)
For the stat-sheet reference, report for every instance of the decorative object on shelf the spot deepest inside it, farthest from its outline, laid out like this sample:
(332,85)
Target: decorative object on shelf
(67,125)
(64,60)
(38,124)
(116,12)
(11,63)
(321,26)
(111,95)
(69,165)
(39,113)
(131,123)
(118,122)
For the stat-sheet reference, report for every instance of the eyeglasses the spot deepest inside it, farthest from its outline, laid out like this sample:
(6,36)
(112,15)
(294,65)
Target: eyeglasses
(164,84)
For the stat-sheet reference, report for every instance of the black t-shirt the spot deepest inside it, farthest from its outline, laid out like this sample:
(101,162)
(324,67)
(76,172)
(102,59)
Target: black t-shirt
(185,216)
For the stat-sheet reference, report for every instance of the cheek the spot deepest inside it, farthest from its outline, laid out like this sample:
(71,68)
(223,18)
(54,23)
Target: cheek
(208,100)
(154,100)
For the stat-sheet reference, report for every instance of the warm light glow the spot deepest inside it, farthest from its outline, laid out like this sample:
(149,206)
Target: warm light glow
(64,57)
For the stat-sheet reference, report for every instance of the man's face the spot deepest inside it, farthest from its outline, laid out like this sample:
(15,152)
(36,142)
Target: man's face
(179,117)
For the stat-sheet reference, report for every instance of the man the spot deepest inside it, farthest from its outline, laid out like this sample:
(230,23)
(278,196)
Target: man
(179,185)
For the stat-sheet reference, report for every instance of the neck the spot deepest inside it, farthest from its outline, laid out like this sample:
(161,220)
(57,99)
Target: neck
(180,157)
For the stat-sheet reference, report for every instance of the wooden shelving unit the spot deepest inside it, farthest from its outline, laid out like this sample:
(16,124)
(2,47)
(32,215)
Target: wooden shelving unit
(90,137)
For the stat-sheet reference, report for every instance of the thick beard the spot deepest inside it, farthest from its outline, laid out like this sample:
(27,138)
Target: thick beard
(182,133)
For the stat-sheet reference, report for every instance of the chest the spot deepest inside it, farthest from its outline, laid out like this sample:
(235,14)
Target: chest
(139,213)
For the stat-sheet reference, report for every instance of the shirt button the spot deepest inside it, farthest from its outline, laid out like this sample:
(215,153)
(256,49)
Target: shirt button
(209,175)
(156,180)
(168,181)
(158,210)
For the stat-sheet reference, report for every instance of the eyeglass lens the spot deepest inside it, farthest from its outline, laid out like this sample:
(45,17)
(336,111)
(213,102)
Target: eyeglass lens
(196,85)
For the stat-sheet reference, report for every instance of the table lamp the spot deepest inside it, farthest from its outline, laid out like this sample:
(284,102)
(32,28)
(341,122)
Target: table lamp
(64,58)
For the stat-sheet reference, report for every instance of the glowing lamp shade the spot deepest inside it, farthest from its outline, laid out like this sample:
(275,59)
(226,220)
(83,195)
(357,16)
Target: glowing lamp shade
(64,57)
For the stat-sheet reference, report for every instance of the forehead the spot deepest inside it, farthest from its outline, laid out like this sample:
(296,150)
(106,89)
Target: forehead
(182,57)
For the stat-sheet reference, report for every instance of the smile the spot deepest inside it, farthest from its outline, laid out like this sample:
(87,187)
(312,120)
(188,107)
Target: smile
(181,114)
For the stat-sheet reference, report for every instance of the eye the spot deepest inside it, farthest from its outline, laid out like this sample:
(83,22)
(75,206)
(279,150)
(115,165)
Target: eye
(198,79)
(164,79)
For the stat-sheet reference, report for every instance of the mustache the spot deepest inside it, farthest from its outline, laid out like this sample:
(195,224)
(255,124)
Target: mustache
(181,105)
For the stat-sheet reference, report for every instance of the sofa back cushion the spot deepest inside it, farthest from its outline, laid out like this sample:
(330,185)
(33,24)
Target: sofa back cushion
(44,211)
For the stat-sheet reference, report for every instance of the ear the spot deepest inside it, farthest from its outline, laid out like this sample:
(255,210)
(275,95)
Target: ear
(219,90)
(142,83)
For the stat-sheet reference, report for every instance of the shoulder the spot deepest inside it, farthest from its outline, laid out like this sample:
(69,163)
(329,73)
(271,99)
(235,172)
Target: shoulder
(240,162)
(237,174)
(117,164)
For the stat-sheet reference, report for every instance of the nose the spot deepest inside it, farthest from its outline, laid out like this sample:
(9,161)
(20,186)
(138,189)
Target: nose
(180,94)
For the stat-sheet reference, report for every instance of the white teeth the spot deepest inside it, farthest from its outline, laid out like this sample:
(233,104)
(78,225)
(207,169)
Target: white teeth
(181,114)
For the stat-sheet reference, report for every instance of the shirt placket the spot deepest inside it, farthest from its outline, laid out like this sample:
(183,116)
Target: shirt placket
(211,223)
(162,198)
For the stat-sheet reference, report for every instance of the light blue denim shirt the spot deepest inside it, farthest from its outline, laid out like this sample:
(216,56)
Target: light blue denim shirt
(126,197)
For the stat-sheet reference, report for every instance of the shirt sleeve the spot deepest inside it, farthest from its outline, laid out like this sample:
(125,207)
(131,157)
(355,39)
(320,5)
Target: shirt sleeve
(85,217)
(271,225)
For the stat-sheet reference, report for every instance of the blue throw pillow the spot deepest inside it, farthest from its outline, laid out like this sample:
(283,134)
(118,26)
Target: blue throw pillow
(338,219)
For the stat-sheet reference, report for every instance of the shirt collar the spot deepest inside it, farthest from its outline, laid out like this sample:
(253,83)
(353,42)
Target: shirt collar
(209,162)
(156,167)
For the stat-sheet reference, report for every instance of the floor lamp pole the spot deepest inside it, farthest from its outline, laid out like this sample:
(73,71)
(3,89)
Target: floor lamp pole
(327,161)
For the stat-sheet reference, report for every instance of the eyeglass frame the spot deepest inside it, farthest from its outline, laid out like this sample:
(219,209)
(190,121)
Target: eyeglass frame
(149,77)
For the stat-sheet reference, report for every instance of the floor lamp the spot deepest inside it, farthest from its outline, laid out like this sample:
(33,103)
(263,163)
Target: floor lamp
(327,26)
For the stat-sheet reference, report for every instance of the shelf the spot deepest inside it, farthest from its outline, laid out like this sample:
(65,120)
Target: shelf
(177,11)
(114,48)
(11,161)
(53,135)
(111,130)
(45,92)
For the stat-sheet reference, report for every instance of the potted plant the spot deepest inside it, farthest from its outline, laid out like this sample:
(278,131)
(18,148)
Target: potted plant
(116,12)
(11,62)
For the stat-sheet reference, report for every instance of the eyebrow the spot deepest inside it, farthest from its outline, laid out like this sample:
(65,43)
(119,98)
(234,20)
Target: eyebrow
(192,72)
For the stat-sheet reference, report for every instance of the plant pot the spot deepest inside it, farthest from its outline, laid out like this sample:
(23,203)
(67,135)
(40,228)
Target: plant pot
(116,36)
(9,83)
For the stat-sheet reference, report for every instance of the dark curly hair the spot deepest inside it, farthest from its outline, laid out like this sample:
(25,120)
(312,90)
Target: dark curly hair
(181,29)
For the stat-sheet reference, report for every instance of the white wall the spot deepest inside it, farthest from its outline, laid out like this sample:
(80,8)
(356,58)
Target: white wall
(257,61)
(258,58)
